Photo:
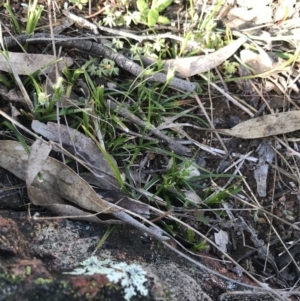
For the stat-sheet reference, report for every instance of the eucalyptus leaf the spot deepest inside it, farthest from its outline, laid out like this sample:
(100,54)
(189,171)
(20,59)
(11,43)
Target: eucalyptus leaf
(268,125)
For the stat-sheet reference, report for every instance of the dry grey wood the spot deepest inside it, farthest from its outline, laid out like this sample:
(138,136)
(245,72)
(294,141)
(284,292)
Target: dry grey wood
(98,49)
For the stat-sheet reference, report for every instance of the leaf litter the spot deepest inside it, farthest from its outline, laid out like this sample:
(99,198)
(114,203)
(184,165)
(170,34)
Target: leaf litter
(56,183)
(83,146)
(190,66)
(265,126)
(28,63)
(245,130)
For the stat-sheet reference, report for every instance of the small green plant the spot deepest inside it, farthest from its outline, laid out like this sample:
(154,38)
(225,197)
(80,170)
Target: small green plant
(288,215)
(174,179)
(44,103)
(229,68)
(33,16)
(43,281)
(190,236)
(151,16)
(204,32)
(120,15)
(218,196)
(106,67)
(201,217)
(13,19)
(117,44)
(79,3)
(28,270)
(133,17)
(207,23)
(114,17)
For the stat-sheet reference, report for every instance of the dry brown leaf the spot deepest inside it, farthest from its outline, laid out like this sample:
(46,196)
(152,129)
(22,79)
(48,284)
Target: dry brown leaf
(264,126)
(27,63)
(57,183)
(13,158)
(263,63)
(74,189)
(57,180)
(38,155)
(41,196)
(266,155)
(190,66)
(242,17)
(53,202)
(259,62)
(77,143)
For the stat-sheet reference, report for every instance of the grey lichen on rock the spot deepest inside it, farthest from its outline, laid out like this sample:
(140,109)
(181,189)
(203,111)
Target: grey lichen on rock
(132,277)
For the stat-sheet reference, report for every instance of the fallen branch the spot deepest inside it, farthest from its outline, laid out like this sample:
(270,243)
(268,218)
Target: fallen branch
(98,49)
